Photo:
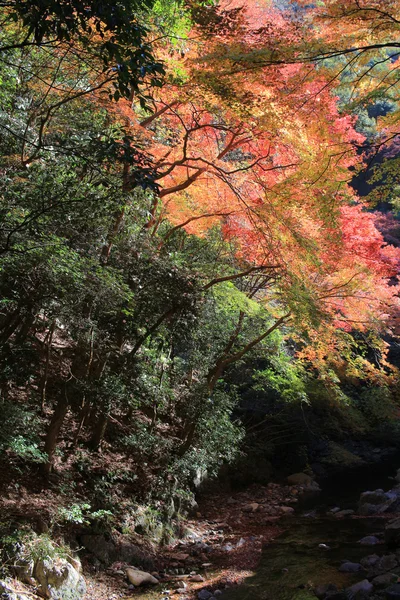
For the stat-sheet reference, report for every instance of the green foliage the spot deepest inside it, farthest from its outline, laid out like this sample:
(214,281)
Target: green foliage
(23,547)
(81,514)
(19,434)
(283,377)
(122,49)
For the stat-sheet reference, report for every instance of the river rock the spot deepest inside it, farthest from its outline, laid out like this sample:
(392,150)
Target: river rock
(369,540)
(377,502)
(204,595)
(392,533)
(286,510)
(253,507)
(369,561)
(137,577)
(376,497)
(393,593)
(387,563)
(366,510)
(197,578)
(350,567)
(312,487)
(180,556)
(322,590)
(59,580)
(382,581)
(364,587)
(299,479)
(324,547)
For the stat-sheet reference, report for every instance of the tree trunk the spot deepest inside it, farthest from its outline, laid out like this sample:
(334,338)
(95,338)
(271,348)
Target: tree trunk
(99,431)
(43,383)
(10,326)
(53,431)
(84,418)
(25,328)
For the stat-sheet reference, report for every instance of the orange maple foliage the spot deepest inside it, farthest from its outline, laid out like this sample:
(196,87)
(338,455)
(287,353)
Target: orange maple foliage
(261,150)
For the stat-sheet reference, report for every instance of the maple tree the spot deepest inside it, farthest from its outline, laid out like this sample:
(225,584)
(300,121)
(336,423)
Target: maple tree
(280,192)
(166,241)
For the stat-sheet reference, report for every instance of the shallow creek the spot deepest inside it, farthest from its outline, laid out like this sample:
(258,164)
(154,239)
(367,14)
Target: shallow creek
(294,564)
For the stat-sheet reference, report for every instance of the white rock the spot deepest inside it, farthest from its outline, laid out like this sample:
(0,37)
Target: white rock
(137,577)
(286,510)
(197,578)
(251,507)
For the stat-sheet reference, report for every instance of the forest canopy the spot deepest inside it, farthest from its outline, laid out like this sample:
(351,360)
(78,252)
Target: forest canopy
(179,205)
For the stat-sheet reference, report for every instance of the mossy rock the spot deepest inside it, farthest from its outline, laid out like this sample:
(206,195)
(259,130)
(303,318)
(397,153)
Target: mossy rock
(337,456)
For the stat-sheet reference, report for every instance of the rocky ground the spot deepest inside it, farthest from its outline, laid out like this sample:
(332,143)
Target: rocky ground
(221,545)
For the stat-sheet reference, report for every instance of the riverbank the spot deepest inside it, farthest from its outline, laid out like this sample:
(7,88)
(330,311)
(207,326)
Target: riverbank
(256,544)
(265,538)
(221,546)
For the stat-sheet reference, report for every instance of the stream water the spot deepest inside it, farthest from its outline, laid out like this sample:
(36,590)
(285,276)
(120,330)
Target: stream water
(294,564)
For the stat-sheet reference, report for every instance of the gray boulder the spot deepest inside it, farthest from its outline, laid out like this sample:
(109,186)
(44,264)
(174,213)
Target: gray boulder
(120,549)
(101,547)
(366,509)
(376,497)
(387,563)
(137,577)
(370,561)
(59,580)
(369,540)
(364,587)
(350,567)
(378,502)
(382,581)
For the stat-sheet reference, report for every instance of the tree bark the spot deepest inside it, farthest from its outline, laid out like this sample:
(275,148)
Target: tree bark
(99,430)
(53,431)
(10,327)
(43,383)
